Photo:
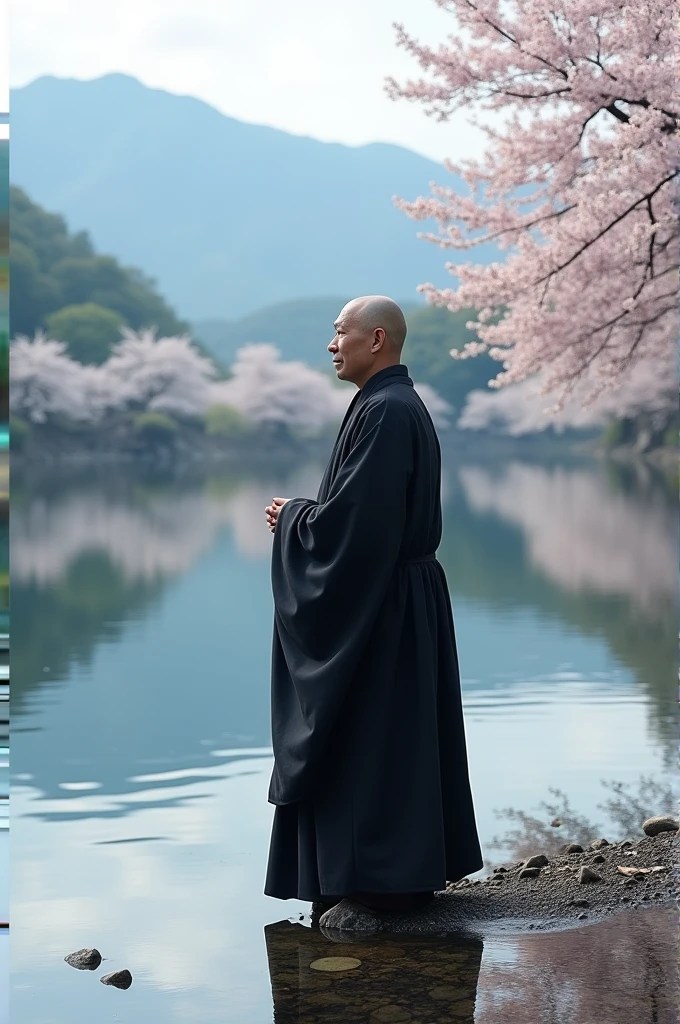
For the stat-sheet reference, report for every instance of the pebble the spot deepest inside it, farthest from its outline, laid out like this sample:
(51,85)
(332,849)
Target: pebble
(121,979)
(555,823)
(582,917)
(530,872)
(574,848)
(587,874)
(660,823)
(598,844)
(539,860)
(598,859)
(84,959)
(499,871)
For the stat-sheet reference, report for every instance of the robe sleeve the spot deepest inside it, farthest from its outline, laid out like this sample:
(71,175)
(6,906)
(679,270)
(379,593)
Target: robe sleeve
(332,563)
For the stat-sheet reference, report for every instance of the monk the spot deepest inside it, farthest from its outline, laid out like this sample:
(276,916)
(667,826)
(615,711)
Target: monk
(370,780)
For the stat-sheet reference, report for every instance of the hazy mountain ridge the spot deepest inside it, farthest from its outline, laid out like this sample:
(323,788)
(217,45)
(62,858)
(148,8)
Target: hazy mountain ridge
(227,216)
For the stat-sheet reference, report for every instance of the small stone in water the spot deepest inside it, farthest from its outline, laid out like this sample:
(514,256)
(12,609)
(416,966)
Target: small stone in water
(84,959)
(120,979)
(555,823)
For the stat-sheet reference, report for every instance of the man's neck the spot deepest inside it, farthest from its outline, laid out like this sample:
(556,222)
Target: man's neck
(374,370)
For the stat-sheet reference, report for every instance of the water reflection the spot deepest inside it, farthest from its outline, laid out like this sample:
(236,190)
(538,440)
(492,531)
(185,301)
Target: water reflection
(404,979)
(624,970)
(142,622)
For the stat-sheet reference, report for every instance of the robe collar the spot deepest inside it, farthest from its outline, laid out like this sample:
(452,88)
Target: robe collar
(385,376)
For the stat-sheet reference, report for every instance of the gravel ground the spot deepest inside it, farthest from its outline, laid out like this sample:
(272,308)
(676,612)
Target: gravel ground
(555,898)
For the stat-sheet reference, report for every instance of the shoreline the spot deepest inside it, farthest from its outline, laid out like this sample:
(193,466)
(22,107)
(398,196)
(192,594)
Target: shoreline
(547,898)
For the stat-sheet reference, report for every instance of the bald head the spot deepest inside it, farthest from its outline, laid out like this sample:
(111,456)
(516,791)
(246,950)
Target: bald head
(369,336)
(372,311)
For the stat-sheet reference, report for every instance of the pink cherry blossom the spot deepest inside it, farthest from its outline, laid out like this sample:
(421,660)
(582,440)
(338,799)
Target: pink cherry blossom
(578,186)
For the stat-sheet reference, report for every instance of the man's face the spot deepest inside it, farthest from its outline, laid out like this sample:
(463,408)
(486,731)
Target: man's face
(351,348)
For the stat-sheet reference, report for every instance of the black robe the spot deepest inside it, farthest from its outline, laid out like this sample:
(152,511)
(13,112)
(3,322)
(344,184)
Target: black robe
(370,777)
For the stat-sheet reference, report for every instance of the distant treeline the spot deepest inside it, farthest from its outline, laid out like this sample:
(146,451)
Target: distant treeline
(303,328)
(62,285)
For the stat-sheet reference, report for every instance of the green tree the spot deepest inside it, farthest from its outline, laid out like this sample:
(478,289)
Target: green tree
(432,333)
(52,268)
(225,421)
(88,329)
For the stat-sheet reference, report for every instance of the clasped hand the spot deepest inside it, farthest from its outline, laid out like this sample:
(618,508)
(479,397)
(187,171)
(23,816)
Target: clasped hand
(272,512)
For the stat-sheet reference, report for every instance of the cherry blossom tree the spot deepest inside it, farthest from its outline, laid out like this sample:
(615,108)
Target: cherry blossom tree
(267,390)
(578,185)
(647,394)
(163,374)
(45,382)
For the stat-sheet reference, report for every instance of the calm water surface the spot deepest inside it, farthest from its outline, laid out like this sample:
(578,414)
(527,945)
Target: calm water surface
(142,618)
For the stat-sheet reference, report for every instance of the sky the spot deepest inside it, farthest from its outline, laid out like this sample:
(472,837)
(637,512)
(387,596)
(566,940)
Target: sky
(306,67)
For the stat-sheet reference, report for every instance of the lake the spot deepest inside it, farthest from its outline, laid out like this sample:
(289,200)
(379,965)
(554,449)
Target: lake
(140,744)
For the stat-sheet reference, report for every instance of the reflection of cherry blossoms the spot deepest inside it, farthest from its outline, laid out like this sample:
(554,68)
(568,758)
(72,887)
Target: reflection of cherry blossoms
(162,536)
(581,534)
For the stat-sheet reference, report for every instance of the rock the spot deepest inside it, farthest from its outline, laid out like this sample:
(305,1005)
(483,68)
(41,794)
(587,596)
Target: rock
(582,917)
(120,979)
(555,823)
(598,859)
(539,860)
(587,874)
(661,823)
(530,872)
(391,1014)
(626,844)
(349,916)
(574,848)
(598,844)
(84,959)
(499,871)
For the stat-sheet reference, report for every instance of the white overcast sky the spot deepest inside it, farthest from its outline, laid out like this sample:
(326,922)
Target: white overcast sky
(308,67)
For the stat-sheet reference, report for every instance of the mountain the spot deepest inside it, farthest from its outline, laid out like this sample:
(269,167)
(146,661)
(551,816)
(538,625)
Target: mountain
(228,217)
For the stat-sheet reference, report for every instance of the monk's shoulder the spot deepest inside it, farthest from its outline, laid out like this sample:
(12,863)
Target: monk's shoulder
(389,411)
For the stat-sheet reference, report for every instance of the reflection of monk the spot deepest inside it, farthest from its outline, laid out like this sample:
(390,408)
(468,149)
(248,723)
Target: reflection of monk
(399,979)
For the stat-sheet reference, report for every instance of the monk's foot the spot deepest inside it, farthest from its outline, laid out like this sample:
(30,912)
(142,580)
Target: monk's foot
(320,907)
